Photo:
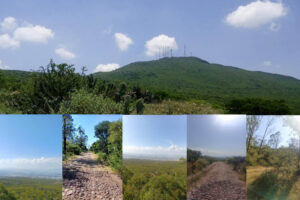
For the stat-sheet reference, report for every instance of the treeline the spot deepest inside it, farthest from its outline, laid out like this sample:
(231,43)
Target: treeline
(57,88)
(109,145)
(154,180)
(257,106)
(74,139)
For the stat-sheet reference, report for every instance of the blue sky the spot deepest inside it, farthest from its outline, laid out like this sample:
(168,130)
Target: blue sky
(288,126)
(154,137)
(217,135)
(88,123)
(105,35)
(31,142)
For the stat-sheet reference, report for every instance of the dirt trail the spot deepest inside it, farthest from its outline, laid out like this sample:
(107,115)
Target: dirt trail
(220,182)
(84,178)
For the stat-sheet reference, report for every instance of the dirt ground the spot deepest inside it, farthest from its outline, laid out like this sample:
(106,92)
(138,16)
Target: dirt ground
(85,179)
(220,182)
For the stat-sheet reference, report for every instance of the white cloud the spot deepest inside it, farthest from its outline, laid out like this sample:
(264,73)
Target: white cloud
(256,14)
(267,63)
(8,24)
(123,41)
(107,67)
(65,54)
(8,42)
(31,33)
(293,122)
(31,164)
(173,151)
(3,66)
(157,44)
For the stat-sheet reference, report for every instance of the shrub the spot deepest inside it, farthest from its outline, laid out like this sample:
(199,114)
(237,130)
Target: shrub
(102,157)
(256,106)
(84,102)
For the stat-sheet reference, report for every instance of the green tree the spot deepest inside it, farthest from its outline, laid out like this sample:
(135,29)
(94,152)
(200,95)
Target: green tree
(81,138)
(68,130)
(115,145)
(102,132)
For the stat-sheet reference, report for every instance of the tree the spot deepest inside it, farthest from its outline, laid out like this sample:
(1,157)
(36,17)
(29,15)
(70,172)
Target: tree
(102,132)
(81,138)
(115,145)
(253,123)
(294,123)
(266,132)
(274,140)
(68,130)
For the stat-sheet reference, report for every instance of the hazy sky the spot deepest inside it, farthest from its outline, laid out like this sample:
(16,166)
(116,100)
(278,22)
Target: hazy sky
(286,125)
(104,35)
(88,123)
(31,142)
(217,135)
(154,137)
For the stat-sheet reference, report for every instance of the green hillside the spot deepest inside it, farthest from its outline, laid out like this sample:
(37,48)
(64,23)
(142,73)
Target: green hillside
(15,74)
(193,78)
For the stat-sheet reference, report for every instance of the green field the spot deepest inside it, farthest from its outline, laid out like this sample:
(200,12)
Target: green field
(31,189)
(154,180)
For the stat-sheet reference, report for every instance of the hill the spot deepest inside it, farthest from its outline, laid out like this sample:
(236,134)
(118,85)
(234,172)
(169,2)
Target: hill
(15,74)
(194,78)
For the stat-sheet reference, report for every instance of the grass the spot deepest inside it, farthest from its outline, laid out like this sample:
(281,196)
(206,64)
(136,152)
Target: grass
(254,172)
(181,107)
(272,184)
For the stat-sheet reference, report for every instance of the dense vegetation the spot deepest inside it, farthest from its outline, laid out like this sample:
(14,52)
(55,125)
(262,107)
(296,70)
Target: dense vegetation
(272,170)
(154,180)
(57,88)
(109,145)
(5,195)
(140,86)
(30,189)
(190,78)
(197,162)
(74,139)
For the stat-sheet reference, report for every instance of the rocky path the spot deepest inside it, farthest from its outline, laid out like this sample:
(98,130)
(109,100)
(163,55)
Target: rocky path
(85,179)
(220,182)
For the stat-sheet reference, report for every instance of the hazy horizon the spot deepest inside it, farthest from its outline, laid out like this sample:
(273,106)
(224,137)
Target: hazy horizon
(217,135)
(154,137)
(31,145)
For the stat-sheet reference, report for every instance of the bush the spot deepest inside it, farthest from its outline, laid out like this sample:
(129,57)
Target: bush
(73,149)
(102,157)
(84,102)
(163,187)
(256,106)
